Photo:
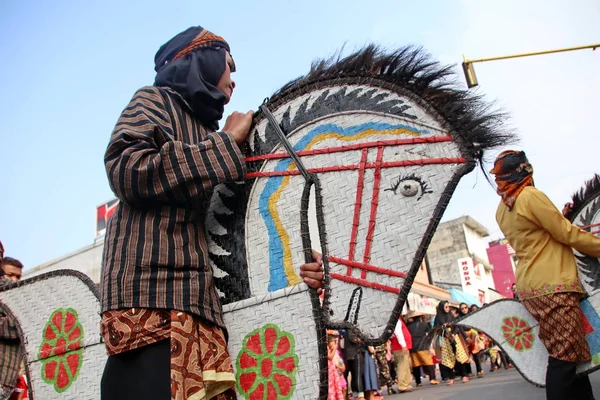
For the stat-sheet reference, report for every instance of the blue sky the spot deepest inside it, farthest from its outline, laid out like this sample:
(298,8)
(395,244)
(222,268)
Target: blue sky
(69,68)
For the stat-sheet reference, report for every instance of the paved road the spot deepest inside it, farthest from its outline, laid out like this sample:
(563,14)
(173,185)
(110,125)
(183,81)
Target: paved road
(498,385)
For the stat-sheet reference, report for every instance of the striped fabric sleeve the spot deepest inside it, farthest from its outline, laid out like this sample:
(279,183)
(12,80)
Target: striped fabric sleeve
(8,328)
(146,164)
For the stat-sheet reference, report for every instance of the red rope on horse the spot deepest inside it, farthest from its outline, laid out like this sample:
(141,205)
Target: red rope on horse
(373,217)
(390,164)
(589,226)
(367,267)
(362,282)
(357,206)
(358,146)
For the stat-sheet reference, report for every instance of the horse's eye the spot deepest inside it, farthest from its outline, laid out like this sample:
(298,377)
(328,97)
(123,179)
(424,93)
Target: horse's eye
(410,186)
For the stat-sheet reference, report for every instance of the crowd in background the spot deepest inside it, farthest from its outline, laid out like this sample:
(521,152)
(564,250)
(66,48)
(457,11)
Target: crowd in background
(422,347)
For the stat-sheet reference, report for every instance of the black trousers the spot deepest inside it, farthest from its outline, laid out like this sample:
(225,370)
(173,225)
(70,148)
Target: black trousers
(429,371)
(466,368)
(356,367)
(460,370)
(447,373)
(143,373)
(561,383)
(477,359)
(392,368)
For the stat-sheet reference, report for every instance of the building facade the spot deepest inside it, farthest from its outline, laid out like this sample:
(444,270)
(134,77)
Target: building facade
(458,259)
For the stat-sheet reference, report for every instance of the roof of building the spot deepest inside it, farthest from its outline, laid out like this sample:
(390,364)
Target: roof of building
(470,222)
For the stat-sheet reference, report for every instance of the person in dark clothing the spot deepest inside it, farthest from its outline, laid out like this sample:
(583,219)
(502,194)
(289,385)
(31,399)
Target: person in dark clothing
(453,351)
(354,353)
(420,354)
(474,342)
(463,310)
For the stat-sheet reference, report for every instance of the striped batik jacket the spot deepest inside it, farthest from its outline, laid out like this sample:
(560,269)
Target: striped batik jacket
(163,164)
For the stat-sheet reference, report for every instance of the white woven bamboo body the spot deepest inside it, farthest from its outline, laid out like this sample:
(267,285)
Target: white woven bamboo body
(32,303)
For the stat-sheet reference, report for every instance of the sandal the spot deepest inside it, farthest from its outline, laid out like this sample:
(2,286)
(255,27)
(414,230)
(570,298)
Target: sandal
(465,379)
(451,382)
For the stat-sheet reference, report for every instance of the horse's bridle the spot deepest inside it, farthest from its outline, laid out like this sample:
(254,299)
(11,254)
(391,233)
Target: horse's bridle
(310,180)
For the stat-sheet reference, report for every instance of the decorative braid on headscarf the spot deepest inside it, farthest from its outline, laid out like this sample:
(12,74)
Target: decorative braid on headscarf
(204,39)
(513,173)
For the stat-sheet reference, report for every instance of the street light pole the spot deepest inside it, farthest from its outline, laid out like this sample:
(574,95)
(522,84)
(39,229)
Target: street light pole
(469,71)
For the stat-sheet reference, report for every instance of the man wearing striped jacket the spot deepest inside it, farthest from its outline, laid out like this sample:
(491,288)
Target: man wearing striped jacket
(161,315)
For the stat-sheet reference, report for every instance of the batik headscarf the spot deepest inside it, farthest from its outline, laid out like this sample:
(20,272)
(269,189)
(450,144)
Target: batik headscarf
(192,64)
(513,173)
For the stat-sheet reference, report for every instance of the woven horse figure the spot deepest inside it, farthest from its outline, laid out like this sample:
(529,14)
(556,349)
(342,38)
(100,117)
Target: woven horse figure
(381,140)
(513,328)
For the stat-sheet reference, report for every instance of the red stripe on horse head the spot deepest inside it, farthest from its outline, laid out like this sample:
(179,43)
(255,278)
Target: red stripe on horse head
(374,204)
(357,206)
(351,147)
(350,167)
(367,267)
(365,283)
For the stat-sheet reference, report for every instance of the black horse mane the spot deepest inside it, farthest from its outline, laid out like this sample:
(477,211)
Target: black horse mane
(582,196)
(475,122)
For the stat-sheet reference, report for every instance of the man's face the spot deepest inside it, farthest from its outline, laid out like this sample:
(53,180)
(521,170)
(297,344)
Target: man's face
(226,84)
(11,272)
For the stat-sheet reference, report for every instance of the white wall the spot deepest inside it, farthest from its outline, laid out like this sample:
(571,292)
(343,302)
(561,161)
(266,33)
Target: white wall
(87,260)
(476,243)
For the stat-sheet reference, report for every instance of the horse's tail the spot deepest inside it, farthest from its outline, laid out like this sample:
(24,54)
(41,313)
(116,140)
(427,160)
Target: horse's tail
(58,319)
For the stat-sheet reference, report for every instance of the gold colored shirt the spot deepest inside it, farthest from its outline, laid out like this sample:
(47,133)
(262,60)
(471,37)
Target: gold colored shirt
(543,240)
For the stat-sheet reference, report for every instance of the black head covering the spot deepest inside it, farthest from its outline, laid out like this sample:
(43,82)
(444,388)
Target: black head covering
(191,64)
(512,166)
(442,317)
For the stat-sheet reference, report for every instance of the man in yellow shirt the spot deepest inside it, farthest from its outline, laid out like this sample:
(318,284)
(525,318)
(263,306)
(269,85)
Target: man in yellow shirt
(547,280)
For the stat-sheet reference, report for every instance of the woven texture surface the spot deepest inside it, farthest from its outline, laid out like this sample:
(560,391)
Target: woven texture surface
(60,318)
(284,337)
(516,331)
